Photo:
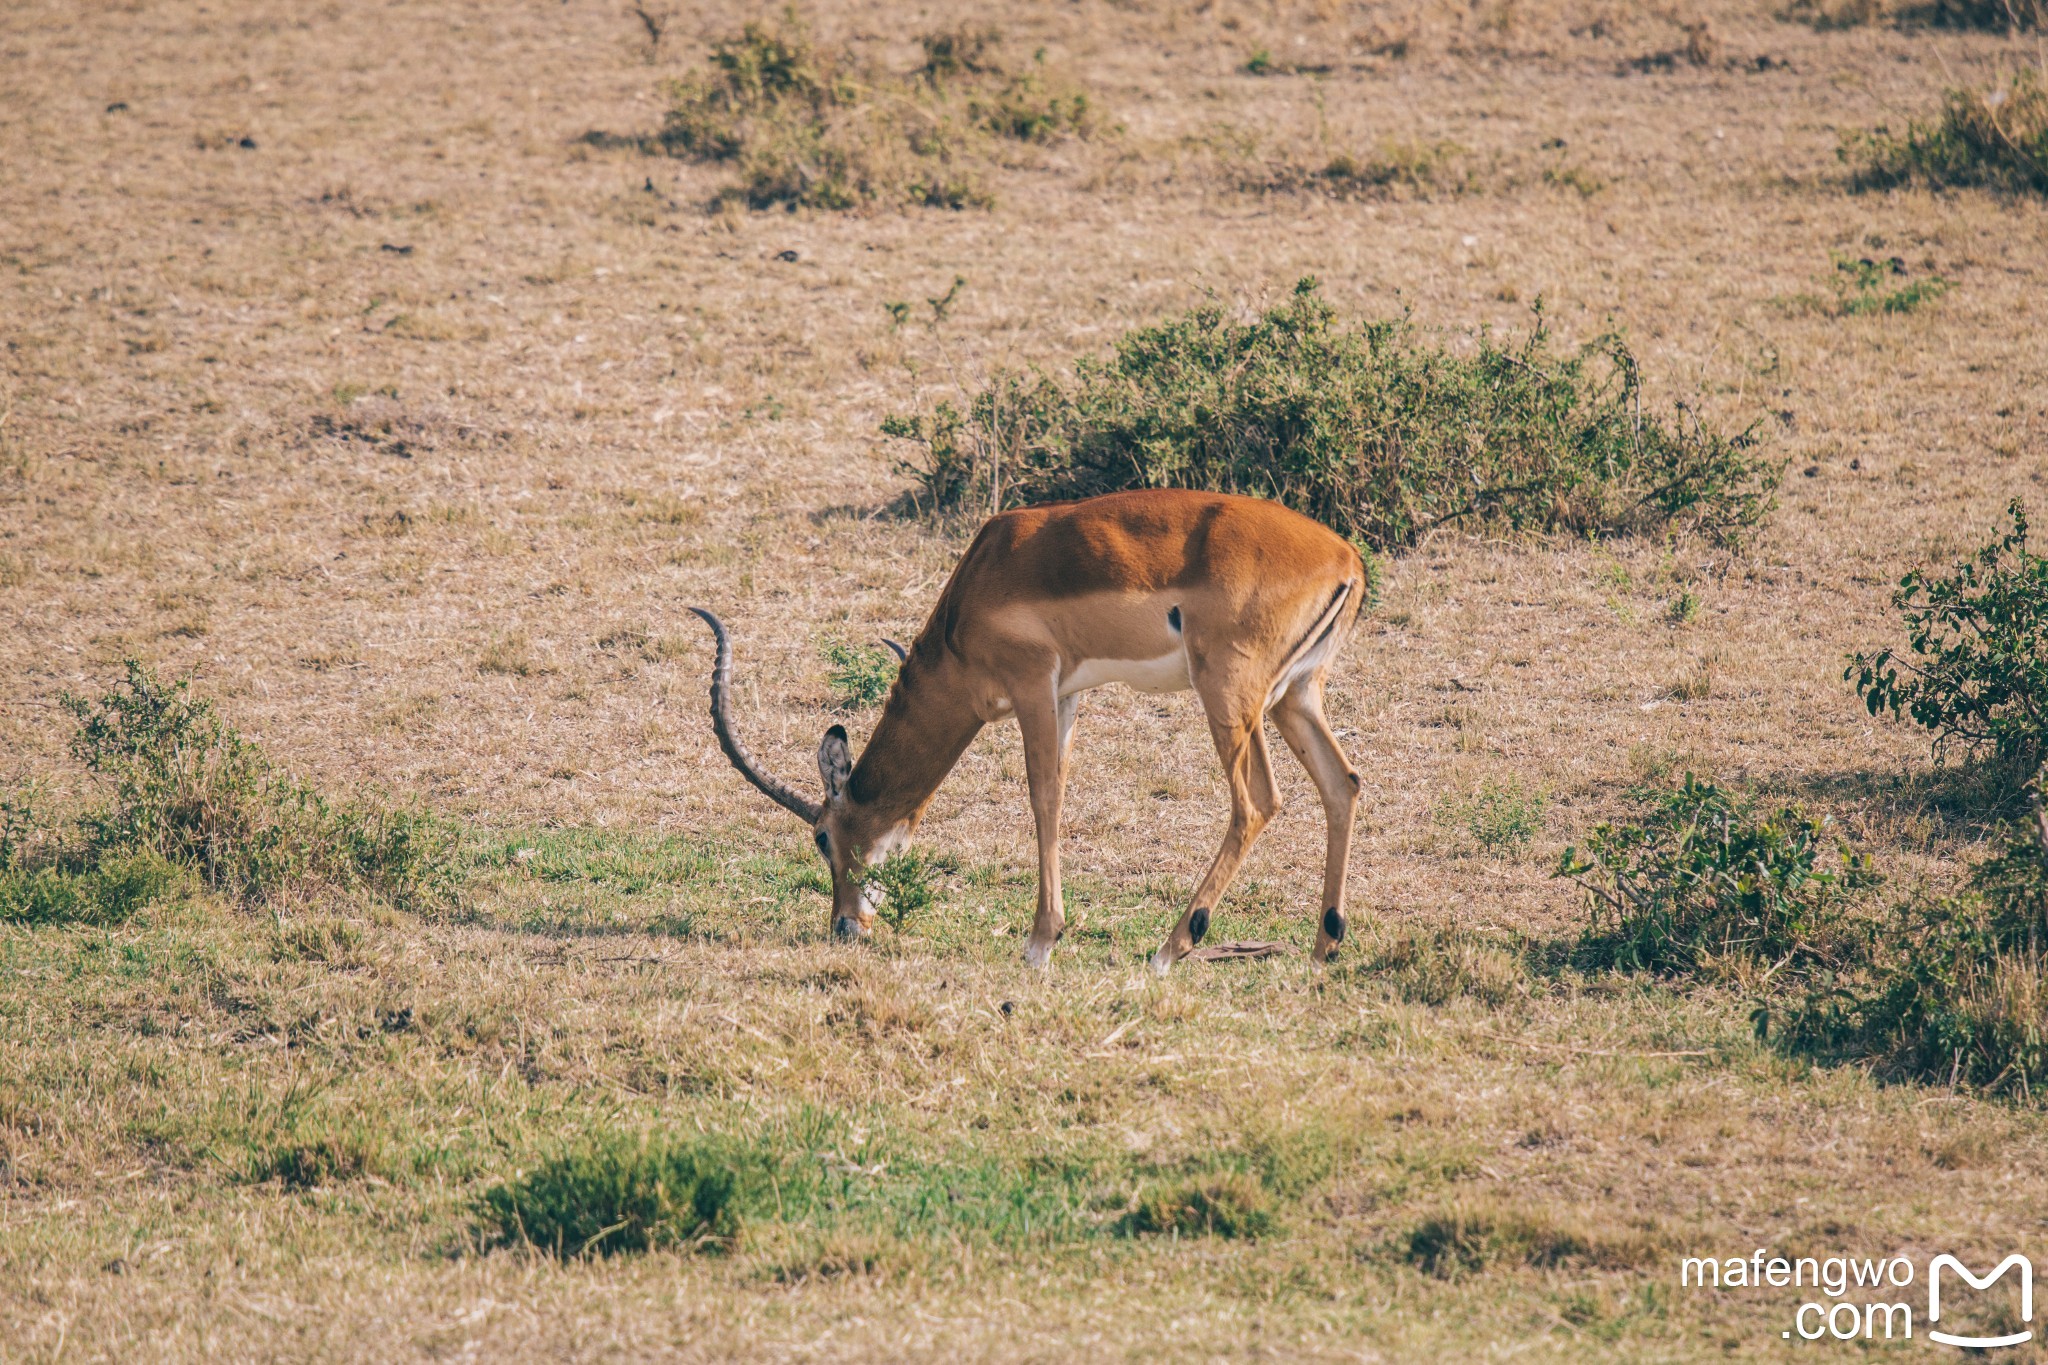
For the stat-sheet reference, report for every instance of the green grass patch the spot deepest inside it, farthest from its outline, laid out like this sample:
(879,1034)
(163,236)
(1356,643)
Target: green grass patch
(101,889)
(1861,286)
(726,887)
(622,1192)
(1501,817)
(1368,428)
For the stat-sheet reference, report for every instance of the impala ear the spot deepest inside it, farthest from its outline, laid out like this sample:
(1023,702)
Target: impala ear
(835,762)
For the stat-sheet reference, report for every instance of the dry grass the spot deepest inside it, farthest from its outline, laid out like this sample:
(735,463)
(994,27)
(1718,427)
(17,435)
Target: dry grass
(338,370)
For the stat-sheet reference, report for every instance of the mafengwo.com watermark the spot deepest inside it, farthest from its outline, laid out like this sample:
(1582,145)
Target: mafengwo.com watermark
(1883,1299)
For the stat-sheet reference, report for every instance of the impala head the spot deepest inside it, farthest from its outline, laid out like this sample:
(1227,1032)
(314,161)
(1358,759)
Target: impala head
(850,834)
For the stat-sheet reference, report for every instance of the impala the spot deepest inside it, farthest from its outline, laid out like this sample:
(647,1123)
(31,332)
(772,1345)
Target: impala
(1241,599)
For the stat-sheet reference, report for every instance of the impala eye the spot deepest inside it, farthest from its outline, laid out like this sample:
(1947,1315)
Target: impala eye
(825,845)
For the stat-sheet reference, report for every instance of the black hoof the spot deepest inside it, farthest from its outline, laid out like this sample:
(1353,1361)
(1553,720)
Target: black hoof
(846,930)
(1333,925)
(1198,924)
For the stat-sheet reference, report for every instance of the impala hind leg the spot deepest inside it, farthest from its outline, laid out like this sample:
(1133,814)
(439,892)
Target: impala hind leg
(1254,800)
(1299,714)
(1047,725)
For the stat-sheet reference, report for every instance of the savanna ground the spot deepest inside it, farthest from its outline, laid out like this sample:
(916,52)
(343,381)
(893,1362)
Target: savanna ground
(342,373)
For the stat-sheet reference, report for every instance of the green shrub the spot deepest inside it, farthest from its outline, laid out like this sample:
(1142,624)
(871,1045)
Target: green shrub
(1368,429)
(1220,1204)
(805,125)
(860,675)
(618,1193)
(1978,637)
(905,882)
(190,791)
(1704,875)
(1997,139)
(1958,992)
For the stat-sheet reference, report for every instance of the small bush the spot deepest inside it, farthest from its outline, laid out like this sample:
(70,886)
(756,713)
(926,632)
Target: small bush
(1705,875)
(189,791)
(860,675)
(1958,992)
(1978,636)
(905,882)
(1997,139)
(620,1193)
(805,125)
(1368,429)
(1221,1204)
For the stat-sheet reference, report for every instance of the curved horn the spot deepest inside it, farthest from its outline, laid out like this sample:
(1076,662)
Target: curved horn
(902,654)
(721,723)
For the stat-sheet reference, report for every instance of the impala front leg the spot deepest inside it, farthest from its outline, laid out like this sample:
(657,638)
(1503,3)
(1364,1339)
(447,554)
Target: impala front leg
(1046,721)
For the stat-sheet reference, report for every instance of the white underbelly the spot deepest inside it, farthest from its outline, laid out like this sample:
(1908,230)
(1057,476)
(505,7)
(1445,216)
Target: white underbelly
(1167,673)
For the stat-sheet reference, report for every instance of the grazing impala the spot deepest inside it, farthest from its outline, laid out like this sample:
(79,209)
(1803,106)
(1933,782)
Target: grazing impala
(1238,598)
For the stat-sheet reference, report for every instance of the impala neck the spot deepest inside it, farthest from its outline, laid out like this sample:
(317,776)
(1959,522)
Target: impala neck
(923,731)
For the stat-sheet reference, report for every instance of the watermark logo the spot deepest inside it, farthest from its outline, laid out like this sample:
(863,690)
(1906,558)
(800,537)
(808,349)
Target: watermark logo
(1846,1315)
(2026,1269)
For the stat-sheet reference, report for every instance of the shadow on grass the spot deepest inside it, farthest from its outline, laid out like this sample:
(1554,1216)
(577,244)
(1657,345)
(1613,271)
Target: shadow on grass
(911,505)
(1962,801)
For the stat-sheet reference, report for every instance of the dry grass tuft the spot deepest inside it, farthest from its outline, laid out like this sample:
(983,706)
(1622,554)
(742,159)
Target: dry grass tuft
(1473,1238)
(811,126)
(1438,966)
(1996,138)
